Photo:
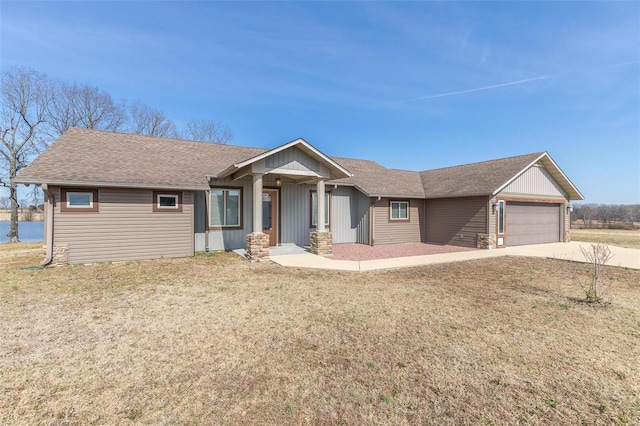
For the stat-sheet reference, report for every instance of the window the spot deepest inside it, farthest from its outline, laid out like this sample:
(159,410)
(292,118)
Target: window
(226,208)
(399,210)
(79,200)
(500,217)
(314,208)
(167,201)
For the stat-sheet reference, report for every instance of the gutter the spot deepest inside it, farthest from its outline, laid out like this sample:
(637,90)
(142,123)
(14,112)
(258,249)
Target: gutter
(48,217)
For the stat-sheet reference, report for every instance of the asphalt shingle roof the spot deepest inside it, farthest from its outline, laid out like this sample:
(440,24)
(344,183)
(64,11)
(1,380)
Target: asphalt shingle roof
(101,158)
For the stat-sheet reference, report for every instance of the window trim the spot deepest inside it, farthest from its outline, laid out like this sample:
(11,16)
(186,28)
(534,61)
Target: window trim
(328,207)
(64,203)
(240,224)
(156,202)
(500,213)
(399,219)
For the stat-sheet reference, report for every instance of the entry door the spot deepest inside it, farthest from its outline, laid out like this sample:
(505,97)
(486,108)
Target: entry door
(270,215)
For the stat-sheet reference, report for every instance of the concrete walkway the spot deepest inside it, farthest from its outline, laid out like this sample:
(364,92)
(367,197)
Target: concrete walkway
(624,257)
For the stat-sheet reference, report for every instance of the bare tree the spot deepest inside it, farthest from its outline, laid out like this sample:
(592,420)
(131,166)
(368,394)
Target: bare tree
(75,105)
(5,202)
(596,288)
(25,95)
(207,131)
(149,121)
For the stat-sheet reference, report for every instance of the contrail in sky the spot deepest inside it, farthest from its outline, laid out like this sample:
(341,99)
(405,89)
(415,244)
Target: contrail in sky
(479,89)
(511,83)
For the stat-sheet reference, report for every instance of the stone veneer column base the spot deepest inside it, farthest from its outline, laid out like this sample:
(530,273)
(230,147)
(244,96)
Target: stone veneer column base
(60,255)
(321,243)
(257,246)
(485,242)
(567,236)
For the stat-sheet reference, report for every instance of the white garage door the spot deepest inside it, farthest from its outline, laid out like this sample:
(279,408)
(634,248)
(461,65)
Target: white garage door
(532,223)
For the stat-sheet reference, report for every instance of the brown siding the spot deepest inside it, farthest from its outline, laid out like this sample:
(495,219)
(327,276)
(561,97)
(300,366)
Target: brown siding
(456,221)
(389,232)
(125,228)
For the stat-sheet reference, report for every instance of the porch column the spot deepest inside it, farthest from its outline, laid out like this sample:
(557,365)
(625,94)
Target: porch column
(257,241)
(320,193)
(257,203)
(321,240)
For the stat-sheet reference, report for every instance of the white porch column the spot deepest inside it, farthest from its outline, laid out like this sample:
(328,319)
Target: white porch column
(321,207)
(257,203)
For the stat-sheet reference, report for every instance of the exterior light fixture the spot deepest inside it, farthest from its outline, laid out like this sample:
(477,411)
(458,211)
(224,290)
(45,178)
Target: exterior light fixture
(278,181)
(569,208)
(495,207)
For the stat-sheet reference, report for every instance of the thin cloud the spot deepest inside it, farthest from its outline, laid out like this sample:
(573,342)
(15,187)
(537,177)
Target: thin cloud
(479,89)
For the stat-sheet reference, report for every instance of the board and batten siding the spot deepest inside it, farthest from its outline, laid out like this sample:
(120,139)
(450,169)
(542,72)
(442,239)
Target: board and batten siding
(386,231)
(349,215)
(124,228)
(536,180)
(456,221)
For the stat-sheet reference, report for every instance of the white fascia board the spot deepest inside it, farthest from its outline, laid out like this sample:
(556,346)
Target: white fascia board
(116,185)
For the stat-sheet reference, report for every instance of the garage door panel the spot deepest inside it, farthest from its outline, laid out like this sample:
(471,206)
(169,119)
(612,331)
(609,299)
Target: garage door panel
(532,223)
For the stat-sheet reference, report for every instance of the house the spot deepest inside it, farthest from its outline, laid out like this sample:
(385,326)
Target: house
(113,196)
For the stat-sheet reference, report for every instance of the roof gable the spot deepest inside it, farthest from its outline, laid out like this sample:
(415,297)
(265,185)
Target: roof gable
(273,159)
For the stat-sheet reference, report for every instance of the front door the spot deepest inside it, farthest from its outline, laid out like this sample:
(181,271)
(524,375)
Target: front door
(270,215)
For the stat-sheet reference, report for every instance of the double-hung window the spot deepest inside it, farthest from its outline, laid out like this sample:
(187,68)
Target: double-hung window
(399,210)
(314,208)
(226,208)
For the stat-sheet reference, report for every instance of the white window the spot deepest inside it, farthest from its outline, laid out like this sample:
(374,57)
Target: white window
(167,201)
(399,210)
(226,207)
(314,208)
(80,200)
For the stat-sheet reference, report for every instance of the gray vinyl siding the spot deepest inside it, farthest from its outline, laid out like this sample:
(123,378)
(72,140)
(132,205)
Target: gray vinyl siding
(292,159)
(387,231)
(295,217)
(199,220)
(535,180)
(349,215)
(231,239)
(125,228)
(456,221)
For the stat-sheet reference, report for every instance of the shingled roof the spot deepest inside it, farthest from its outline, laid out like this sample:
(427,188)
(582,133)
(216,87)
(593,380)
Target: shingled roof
(98,158)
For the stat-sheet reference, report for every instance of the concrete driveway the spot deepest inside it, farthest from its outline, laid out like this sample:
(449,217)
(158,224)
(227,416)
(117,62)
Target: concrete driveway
(623,257)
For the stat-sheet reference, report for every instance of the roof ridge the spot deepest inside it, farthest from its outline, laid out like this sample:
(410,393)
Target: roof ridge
(159,138)
(484,161)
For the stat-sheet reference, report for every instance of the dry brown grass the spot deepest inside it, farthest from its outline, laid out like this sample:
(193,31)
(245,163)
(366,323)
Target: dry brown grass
(616,237)
(219,340)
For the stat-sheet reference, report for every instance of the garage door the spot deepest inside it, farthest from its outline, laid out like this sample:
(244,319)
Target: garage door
(532,223)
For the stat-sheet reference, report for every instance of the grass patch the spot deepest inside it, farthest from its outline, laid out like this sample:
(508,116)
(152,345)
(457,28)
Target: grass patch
(616,237)
(200,340)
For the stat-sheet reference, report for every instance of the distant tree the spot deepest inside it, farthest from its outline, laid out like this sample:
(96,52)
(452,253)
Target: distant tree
(5,202)
(207,131)
(75,105)
(149,121)
(25,95)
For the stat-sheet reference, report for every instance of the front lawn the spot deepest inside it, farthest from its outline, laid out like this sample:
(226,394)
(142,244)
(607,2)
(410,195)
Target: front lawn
(217,340)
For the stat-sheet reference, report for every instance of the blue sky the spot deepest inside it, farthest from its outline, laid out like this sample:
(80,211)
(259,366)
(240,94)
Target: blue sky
(412,85)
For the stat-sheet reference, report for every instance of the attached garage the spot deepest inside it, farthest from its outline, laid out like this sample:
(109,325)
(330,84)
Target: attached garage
(532,223)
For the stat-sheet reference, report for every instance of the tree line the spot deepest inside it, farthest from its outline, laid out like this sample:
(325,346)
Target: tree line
(35,110)
(606,215)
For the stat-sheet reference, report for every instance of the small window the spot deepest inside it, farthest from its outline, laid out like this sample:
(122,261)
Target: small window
(167,201)
(314,208)
(501,217)
(78,200)
(226,208)
(399,210)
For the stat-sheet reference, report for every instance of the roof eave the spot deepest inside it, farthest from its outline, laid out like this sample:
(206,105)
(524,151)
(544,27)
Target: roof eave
(97,184)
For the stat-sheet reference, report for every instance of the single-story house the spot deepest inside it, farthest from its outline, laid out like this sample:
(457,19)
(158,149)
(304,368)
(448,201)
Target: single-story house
(114,196)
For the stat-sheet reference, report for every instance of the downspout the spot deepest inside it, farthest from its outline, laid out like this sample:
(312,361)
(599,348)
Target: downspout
(48,217)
